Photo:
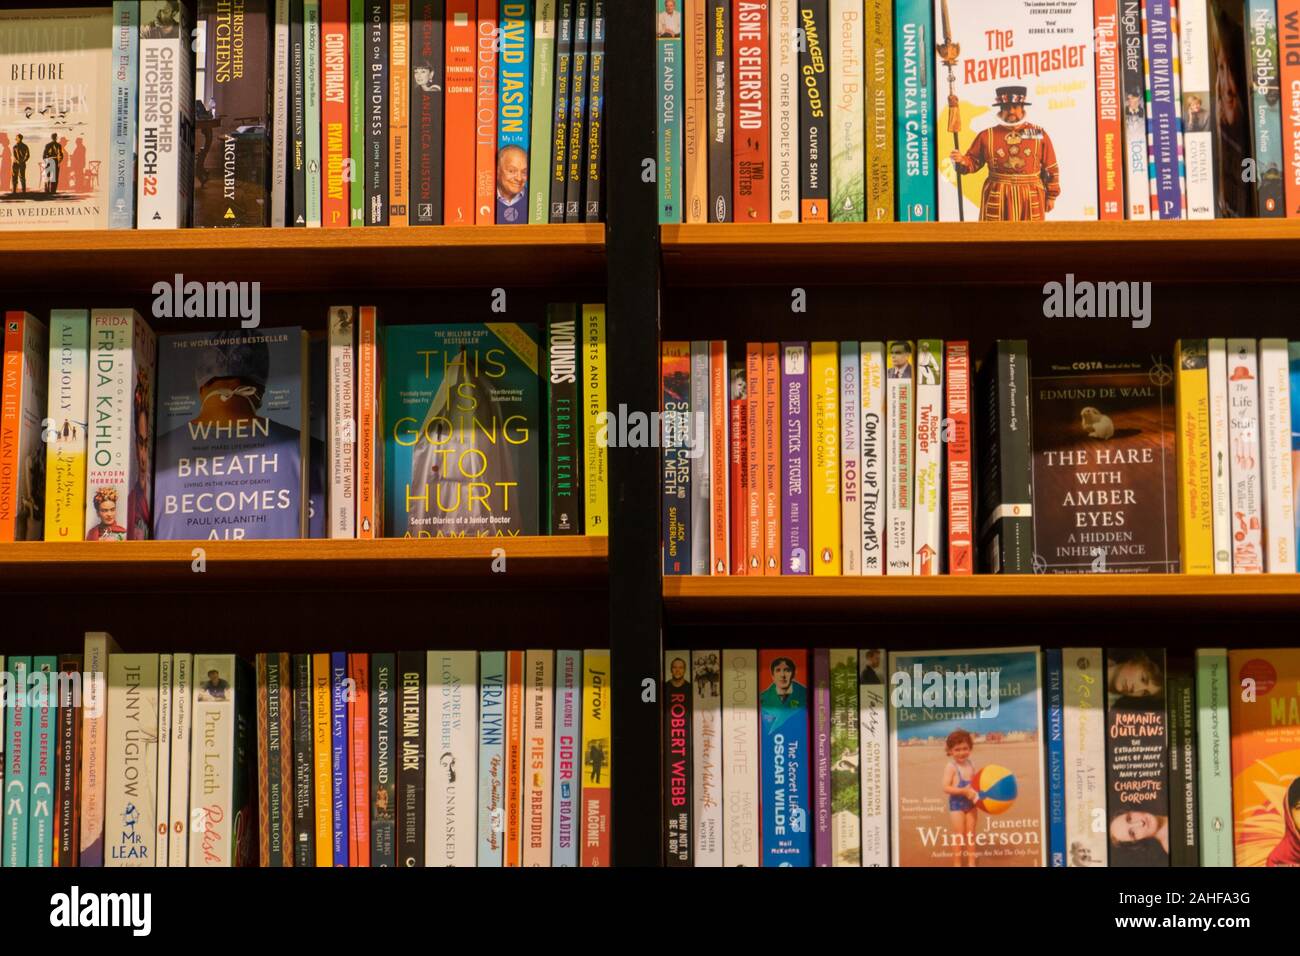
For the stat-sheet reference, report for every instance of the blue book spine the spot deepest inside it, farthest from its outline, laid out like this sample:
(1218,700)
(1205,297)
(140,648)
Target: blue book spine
(339,754)
(1293,358)
(1164,121)
(514,111)
(783,786)
(914,105)
(44,714)
(1055,758)
(491,757)
(17,759)
(568,742)
(121,173)
(670,116)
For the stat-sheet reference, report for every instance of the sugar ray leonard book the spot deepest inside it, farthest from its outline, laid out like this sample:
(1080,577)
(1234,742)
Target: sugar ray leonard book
(54,118)
(462,430)
(967,780)
(233,431)
(1015,82)
(1105,470)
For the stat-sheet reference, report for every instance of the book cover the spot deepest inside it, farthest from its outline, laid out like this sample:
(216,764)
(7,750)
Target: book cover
(927,497)
(821,757)
(98,646)
(17,762)
(1246,492)
(458,196)
(43,712)
(773,422)
(752,198)
(595,454)
(719,106)
(313,89)
(1137,757)
(1214,759)
(337,164)
(739,760)
(1104,467)
(847,102)
(1132,89)
(375,113)
(677,776)
(1085,757)
(824,475)
(67,823)
(281,91)
(182,731)
(737,443)
(1181,698)
(565,822)
(708,834)
(1194,52)
(787,95)
(756,428)
(874,467)
(23,429)
(297,126)
(719,465)
(814,144)
(122,125)
(1164,110)
(233,435)
(304,760)
(783,703)
(274,780)
(222,815)
(880,175)
(675,378)
(873,736)
(668,42)
(900,450)
(1288,34)
(796,524)
(1234,195)
(597,760)
(487,45)
(543,110)
(960,481)
(1055,728)
(914,45)
(1220,450)
(357,698)
(418,111)
(590,180)
(967,780)
(452,748)
(559,145)
(130,830)
(1110,111)
(1276,431)
(846,788)
(340,761)
(410,830)
(1265,107)
(539,728)
(1006,521)
(166,115)
(383,762)
(1192,417)
(491,758)
(564,513)
(585,53)
(850,457)
(514,112)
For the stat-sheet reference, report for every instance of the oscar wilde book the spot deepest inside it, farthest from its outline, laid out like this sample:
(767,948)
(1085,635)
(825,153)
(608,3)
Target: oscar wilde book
(232,128)
(410,834)
(55,118)
(750,149)
(784,757)
(132,765)
(1132,90)
(787,97)
(677,802)
(1164,110)
(967,775)
(166,116)
(1265,107)
(597,760)
(565,822)
(1085,756)
(452,748)
(65,453)
(1234,197)
(914,45)
(740,802)
(880,173)
(846,806)
(720,114)
(1025,113)
(491,758)
(1137,757)
(121,157)
(1110,124)
(873,741)
(707,834)
(1264,693)
(222,762)
(821,759)
(1198,138)
(22,428)
(1105,472)
(233,435)
(814,143)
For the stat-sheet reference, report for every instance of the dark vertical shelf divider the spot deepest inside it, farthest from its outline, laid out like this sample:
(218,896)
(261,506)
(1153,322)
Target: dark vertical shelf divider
(632,313)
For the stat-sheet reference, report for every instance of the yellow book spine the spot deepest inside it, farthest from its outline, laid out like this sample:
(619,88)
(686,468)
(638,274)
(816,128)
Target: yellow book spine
(595,460)
(824,387)
(597,768)
(65,430)
(322,743)
(1192,410)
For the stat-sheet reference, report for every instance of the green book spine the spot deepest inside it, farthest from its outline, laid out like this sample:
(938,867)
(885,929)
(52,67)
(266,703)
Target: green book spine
(539,154)
(17,765)
(43,713)
(1213,764)
(311,95)
(357,112)
(846,794)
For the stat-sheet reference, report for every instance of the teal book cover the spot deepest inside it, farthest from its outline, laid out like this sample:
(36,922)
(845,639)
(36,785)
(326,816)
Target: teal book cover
(17,761)
(913,101)
(43,713)
(462,430)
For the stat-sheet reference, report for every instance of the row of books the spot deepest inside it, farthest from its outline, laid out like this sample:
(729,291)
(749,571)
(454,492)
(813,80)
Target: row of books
(899,457)
(362,431)
(307,113)
(957,110)
(438,758)
(1014,756)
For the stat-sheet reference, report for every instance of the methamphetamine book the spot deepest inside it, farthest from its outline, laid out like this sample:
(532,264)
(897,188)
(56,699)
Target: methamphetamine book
(675,377)
(130,827)
(233,432)
(873,739)
(1085,756)
(740,800)
(222,761)
(121,157)
(22,428)
(566,823)
(166,116)
(707,770)
(785,757)
(1005,477)
(1137,755)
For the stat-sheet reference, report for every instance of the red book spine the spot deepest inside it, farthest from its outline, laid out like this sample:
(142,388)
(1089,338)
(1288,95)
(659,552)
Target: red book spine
(771,420)
(458,148)
(719,407)
(11,422)
(1110,121)
(1288,35)
(750,148)
(754,458)
(485,120)
(359,766)
(960,494)
(739,471)
(334,118)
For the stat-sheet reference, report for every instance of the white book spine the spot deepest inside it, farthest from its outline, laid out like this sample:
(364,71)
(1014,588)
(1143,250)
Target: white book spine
(873,732)
(212,764)
(179,795)
(706,753)
(900,400)
(94,742)
(1275,444)
(280,115)
(342,500)
(701,516)
(1243,431)
(162,814)
(848,114)
(451,752)
(132,766)
(539,727)
(927,541)
(1084,742)
(873,457)
(783,33)
(740,844)
(1198,137)
(166,120)
(1220,450)
(850,458)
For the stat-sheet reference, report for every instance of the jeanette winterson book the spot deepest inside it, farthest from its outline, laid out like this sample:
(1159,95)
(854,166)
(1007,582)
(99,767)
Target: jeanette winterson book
(462,444)
(54,118)
(967,775)
(1105,478)
(232,435)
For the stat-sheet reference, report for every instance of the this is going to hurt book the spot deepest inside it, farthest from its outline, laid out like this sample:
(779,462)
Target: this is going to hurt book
(461,409)
(1264,695)
(1105,479)
(232,440)
(967,773)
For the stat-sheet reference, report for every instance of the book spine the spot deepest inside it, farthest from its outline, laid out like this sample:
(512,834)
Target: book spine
(264,824)
(564,413)
(1132,71)
(1213,763)
(126,46)
(595,131)
(677,758)
(900,448)
(335,123)
(375,113)
(223,824)
(544,28)
(1181,696)
(756,427)
(1164,119)
(559,148)
(700,425)
(342,424)
(359,783)
(675,369)
(880,175)
(824,474)
(821,756)
(452,702)
(485,115)
(786,96)
(178,809)
(719,451)
(539,728)
(1055,728)
(304,813)
(1276,430)
(913,105)
(1110,126)
(568,737)
(322,769)
(670,98)
(162,810)
(1197,89)
(927,543)
(67,823)
(358,96)
(12,372)
(737,472)
(280,88)
(94,731)
(1288,35)
(695,147)
(369,448)
(704,794)
(514,111)
(1265,106)
(411,776)
(1220,450)
(772,420)
(719,107)
(340,759)
(401,92)
(311,92)
(574,154)
(1243,429)
(491,757)
(66,406)
(795,524)
(1085,757)
(297,115)
(597,760)
(129,825)
(26,350)
(846,756)
(1006,511)
(1137,753)
(595,456)
(1195,515)
(44,714)
(873,457)
(848,145)
(750,149)
(383,765)
(420,85)
(1293,355)
(784,757)
(18,761)
(739,760)
(960,485)
(459,150)
(514,743)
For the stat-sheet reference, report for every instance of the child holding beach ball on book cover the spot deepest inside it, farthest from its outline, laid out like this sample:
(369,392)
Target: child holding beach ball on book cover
(958,784)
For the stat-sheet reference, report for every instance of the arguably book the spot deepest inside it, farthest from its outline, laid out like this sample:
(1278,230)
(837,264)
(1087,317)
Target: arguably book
(1264,696)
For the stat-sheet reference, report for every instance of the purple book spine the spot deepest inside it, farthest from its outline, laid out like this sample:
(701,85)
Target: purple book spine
(822,755)
(1164,121)
(340,754)
(794,438)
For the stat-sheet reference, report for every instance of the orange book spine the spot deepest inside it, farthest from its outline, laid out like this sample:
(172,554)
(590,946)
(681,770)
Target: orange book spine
(514,756)
(334,119)
(754,496)
(359,765)
(10,422)
(719,408)
(485,117)
(1110,129)
(458,117)
(399,160)
(367,427)
(750,148)
(771,397)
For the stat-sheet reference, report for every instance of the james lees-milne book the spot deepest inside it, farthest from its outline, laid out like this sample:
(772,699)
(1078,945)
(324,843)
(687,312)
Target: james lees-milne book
(462,443)
(232,435)
(1105,482)
(54,118)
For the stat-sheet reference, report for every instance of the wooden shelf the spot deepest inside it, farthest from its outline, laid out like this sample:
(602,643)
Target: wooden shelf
(791,599)
(722,254)
(314,565)
(132,260)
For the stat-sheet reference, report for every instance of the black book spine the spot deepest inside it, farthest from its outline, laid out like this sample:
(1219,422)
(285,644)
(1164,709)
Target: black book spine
(68,774)
(1006,461)
(428,85)
(563,93)
(274,754)
(410,794)
(376,112)
(297,119)
(564,412)
(677,759)
(814,121)
(1181,695)
(245,776)
(575,175)
(382,772)
(1137,757)
(304,812)
(595,111)
(720,159)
